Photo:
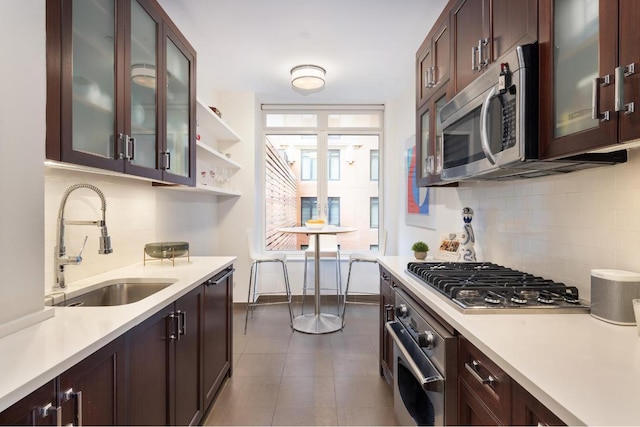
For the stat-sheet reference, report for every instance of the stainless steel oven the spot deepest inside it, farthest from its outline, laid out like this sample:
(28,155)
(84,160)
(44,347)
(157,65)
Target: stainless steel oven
(424,366)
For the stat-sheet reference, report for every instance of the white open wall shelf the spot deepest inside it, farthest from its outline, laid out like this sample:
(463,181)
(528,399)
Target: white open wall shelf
(209,159)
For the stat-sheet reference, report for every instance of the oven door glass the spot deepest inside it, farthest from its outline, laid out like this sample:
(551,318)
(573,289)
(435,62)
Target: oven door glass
(463,153)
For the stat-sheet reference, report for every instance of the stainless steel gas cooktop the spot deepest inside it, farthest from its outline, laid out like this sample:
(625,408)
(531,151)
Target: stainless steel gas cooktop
(488,287)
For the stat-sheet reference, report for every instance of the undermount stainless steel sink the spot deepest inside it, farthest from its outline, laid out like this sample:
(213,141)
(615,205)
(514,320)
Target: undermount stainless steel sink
(118,292)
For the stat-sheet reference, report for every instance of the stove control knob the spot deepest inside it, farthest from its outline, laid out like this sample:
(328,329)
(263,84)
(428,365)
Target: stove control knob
(426,340)
(402,310)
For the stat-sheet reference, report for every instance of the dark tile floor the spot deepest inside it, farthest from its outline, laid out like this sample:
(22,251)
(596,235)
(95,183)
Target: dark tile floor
(282,377)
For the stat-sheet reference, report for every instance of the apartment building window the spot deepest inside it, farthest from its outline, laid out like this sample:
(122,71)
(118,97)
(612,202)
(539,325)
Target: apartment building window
(373,164)
(333,161)
(373,212)
(316,160)
(333,217)
(308,209)
(309,165)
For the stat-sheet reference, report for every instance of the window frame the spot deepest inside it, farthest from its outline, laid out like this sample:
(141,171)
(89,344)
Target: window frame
(322,132)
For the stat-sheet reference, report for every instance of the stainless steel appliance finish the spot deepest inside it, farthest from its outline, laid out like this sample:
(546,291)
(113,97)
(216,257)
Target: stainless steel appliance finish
(490,128)
(424,366)
(489,288)
(612,293)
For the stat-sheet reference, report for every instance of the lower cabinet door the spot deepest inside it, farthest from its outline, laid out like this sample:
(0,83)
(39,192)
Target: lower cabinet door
(217,333)
(148,385)
(528,411)
(186,373)
(93,391)
(36,409)
(471,410)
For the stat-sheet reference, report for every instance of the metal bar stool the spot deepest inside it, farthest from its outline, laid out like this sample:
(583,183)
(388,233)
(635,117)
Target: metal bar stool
(252,297)
(362,257)
(328,249)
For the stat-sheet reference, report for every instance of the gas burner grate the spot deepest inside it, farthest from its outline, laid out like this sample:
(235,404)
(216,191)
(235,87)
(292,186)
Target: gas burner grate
(483,284)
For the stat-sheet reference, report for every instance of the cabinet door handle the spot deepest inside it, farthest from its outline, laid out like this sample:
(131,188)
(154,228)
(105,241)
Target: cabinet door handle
(474,367)
(166,160)
(474,67)
(49,409)
(182,323)
(221,279)
(482,62)
(174,326)
(129,149)
(595,98)
(620,74)
(77,396)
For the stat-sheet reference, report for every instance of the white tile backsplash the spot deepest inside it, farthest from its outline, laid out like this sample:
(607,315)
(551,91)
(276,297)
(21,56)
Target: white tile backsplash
(559,227)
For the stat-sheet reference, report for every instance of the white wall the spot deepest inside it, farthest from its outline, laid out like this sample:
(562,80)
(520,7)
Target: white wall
(22,134)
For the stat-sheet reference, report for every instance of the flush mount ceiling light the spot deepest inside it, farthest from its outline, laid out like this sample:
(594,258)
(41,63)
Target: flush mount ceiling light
(307,78)
(144,75)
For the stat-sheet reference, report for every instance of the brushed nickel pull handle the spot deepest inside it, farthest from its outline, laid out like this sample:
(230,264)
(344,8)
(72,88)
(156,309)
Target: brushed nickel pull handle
(474,67)
(620,74)
(474,367)
(595,98)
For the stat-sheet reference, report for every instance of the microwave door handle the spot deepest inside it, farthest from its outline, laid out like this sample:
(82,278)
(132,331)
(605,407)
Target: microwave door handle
(484,121)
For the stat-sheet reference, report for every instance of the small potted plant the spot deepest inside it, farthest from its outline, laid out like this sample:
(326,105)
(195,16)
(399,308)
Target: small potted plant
(420,250)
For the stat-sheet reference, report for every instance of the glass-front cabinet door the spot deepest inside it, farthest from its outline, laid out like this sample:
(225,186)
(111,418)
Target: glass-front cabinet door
(578,44)
(84,111)
(141,141)
(429,145)
(177,157)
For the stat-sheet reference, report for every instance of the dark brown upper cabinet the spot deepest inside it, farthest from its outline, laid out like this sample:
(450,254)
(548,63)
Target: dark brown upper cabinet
(433,61)
(484,30)
(589,82)
(120,89)
(429,140)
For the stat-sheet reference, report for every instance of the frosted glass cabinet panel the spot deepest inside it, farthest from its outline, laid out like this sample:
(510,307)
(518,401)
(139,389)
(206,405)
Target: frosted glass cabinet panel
(93,75)
(575,64)
(144,91)
(178,102)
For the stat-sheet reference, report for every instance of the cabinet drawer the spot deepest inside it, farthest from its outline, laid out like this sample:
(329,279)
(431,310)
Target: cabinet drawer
(490,383)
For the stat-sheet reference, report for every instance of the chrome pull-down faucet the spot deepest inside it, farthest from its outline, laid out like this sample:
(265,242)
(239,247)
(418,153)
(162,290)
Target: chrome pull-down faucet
(60,254)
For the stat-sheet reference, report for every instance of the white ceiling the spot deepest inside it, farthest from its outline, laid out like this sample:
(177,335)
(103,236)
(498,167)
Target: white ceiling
(367,46)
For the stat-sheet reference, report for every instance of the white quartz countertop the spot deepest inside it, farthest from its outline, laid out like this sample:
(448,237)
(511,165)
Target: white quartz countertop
(583,369)
(37,354)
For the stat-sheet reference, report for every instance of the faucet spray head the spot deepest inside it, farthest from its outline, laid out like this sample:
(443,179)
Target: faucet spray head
(105,241)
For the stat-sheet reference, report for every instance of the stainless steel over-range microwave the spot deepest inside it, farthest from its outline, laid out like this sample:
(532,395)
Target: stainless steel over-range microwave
(490,128)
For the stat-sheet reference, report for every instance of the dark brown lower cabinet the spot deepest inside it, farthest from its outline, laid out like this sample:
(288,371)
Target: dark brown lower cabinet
(471,410)
(218,317)
(164,365)
(387,302)
(90,393)
(36,409)
(528,411)
(164,371)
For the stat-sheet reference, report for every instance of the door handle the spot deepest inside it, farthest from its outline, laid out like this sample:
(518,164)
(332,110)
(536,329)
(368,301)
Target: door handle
(484,122)
(595,98)
(620,74)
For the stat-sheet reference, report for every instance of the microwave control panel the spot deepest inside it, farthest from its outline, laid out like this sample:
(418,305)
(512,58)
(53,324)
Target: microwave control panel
(508,122)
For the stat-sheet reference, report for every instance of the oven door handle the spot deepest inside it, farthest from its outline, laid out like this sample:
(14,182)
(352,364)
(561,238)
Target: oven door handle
(431,380)
(484,124)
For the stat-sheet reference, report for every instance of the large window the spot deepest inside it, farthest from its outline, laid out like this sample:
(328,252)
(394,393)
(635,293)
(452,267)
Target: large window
(322,162)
